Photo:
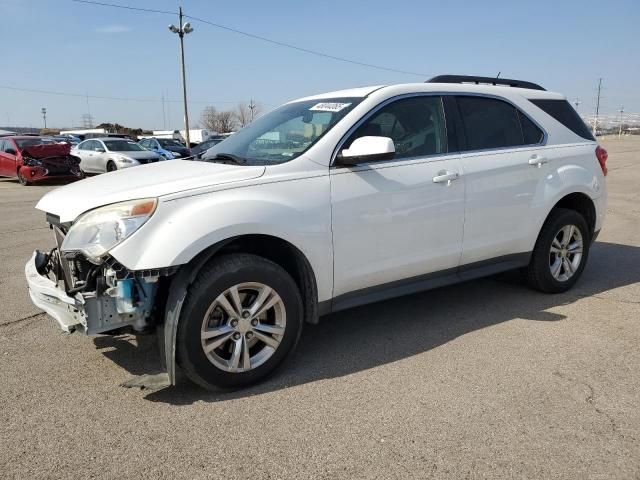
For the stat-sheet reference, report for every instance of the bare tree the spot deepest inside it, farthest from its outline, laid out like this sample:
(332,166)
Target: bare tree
(247,113)
(243,114)
(208,118)
(220,122)
(226,122)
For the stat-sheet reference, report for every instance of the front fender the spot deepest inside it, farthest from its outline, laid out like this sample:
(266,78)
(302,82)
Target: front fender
(297,211)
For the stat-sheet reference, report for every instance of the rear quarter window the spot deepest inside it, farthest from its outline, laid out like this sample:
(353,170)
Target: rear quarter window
(566,115)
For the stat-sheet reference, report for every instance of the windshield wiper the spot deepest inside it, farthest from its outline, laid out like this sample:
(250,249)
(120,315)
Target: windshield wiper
(227,157)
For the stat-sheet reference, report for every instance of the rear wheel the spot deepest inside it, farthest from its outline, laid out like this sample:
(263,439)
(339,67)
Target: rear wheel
(561,252)
(22,179)
(111,166)
(241,318)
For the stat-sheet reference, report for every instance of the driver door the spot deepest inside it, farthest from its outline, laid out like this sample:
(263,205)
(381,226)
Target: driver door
(7,158)
(397,222)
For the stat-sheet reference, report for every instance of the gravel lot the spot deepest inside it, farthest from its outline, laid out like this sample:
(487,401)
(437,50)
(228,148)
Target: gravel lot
(486,379)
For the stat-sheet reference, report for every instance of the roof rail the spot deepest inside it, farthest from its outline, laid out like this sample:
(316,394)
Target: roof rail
(484,80)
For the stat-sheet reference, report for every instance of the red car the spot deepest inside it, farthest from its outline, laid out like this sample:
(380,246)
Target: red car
(34,159)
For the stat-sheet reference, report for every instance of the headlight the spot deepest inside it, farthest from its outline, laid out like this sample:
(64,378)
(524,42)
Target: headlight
(98,231)
(124,159)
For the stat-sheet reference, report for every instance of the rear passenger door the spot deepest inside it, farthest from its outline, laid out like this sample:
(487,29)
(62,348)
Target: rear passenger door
(502,150)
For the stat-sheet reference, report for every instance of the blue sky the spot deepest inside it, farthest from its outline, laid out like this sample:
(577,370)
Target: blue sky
(62,46)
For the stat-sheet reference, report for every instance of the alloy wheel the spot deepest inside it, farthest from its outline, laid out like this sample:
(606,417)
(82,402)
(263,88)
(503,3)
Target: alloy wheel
(243,327)
(566,253)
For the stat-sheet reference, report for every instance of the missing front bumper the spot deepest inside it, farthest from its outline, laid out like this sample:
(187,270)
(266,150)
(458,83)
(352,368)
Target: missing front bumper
(46,295)
(124,303)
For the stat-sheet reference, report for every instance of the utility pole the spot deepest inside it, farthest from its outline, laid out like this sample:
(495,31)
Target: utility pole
(164,118)
(182,30)
(252,107)
(168,109)
(620,126)
(44,116)
(595,120)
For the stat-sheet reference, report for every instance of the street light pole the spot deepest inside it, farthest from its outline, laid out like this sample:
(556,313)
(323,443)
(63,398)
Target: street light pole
(182,30)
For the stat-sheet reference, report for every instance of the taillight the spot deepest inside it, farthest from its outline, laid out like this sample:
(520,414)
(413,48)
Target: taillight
(602,156)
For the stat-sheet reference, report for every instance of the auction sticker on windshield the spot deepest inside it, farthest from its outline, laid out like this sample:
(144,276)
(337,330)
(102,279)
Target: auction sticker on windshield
(329,107)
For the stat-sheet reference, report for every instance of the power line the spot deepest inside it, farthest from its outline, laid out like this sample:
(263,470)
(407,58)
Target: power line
(101,97)
(126,7)
(259,37)
(305,50)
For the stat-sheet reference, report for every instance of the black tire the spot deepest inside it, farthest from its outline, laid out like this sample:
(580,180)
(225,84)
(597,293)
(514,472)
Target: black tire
(215,278)
(22,179)
(538,273)
(111,166)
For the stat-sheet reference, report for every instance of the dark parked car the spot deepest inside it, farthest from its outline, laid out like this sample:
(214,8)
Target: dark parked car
(34,159)
(166,144)
(199,149)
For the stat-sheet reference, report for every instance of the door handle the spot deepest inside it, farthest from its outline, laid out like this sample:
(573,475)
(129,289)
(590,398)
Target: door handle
(446,177)
(537,160)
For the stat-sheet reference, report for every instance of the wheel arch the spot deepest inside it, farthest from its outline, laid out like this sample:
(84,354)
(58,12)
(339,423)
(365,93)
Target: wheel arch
(581,203)
(273,248)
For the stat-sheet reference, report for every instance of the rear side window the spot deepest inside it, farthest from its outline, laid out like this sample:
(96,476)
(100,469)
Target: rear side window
(492,123)
(566,115)
(489,123)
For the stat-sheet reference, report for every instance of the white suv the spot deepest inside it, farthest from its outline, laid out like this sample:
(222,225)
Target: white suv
(327,202)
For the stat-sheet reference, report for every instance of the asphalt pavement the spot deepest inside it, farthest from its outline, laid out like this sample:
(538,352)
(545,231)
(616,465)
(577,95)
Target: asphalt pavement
(486,379)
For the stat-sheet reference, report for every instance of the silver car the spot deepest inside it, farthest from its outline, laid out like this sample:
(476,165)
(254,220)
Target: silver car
(99,155)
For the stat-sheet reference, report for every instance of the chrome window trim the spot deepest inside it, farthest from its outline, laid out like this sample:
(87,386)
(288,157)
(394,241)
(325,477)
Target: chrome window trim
(370,113)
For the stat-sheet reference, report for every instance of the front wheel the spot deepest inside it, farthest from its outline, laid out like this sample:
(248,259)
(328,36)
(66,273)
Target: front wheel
(22,179)
(561,252)
(111,166)
(241,319)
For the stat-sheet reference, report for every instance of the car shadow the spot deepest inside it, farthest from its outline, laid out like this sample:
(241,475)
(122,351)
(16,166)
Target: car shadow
(365,337)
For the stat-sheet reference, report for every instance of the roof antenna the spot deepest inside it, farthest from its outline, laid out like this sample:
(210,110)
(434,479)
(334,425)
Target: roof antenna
(498,75)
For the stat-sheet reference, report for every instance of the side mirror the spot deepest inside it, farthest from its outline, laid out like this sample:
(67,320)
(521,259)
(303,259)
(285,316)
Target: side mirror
(367,149)
(10,151)
(99,149)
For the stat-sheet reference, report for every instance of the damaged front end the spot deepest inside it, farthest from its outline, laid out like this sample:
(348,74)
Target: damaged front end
(49,161)
(83,287)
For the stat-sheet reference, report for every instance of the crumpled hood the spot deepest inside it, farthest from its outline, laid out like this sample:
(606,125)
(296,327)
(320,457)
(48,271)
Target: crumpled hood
(152,180)
(47,150)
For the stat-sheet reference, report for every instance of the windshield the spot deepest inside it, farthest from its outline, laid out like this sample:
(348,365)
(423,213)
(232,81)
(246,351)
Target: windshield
(285,133)
(168,143)
(122,146)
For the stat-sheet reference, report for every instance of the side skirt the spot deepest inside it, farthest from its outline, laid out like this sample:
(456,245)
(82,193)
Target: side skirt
(429,281)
